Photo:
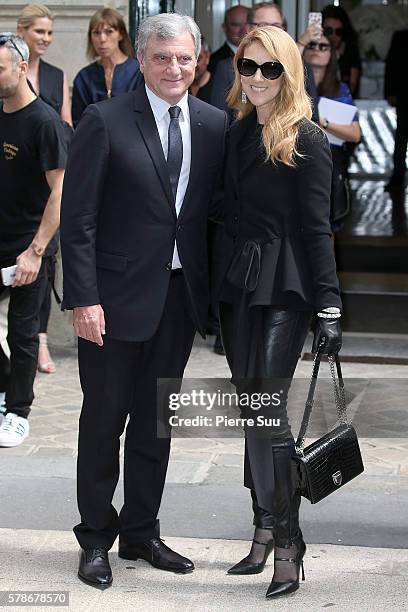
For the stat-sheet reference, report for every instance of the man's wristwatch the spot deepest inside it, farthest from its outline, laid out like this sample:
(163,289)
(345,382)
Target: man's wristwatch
(37,250)
(325,124)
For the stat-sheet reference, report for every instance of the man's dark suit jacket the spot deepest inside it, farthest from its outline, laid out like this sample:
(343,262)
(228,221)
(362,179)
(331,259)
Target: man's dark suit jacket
(220,54)
(395,82)
(224,78)
(118,219)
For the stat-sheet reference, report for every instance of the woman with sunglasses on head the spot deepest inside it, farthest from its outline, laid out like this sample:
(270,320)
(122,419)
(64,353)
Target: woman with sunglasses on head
(115,69)
(321,56)
(279,269)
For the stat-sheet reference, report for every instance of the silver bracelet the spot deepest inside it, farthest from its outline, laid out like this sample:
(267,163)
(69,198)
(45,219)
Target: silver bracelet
(329,315)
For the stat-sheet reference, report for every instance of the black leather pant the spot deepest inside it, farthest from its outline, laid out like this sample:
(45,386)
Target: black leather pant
(268,461)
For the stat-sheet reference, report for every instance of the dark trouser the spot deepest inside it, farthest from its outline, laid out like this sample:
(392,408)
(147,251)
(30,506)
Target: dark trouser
(400,145)
(267,467)
(23,323)
(4,370)
(49,265)
(119,379)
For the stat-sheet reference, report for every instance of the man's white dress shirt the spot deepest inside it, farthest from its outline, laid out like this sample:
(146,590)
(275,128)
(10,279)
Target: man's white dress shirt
(160,109)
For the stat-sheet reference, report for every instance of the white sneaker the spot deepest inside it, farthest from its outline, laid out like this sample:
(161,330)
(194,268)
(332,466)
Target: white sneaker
(13,430)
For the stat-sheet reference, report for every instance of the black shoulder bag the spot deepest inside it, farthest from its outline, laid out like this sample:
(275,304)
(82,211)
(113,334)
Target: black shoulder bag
(335,459)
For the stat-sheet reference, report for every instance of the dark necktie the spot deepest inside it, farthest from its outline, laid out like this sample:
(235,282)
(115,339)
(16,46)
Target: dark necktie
(175,149)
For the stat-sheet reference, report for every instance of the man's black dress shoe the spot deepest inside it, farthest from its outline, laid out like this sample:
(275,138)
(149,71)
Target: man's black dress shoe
(94,567)
(156,553)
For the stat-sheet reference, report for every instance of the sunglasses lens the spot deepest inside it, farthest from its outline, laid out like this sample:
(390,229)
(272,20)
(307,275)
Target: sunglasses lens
(272,70)
(328,31)
(246,67)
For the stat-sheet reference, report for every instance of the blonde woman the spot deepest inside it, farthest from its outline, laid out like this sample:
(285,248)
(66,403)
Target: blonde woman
(280,270)
(35,25)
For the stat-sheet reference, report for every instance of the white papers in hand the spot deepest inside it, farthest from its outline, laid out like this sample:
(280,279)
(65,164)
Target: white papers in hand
(336,112)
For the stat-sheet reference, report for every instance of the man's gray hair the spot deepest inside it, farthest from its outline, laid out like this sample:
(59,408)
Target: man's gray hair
(21,46)
(166,26)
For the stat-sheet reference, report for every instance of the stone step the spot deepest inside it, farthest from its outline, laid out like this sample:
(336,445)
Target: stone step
(375,302)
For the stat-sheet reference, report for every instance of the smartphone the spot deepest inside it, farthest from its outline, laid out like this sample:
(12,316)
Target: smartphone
(314,18)
(8,275)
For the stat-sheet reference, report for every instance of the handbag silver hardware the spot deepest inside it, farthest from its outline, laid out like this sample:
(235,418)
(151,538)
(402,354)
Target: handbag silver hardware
(337,478)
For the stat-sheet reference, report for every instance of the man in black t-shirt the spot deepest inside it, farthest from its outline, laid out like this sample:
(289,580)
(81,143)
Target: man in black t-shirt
(33,151)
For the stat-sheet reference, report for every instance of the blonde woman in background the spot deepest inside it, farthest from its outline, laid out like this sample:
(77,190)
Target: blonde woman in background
(279,271)
(35,25)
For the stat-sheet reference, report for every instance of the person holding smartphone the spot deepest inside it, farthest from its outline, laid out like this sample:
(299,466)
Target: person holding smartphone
(32,161)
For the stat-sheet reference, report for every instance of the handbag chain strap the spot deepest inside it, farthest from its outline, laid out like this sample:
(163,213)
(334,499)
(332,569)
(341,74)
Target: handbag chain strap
(339,398)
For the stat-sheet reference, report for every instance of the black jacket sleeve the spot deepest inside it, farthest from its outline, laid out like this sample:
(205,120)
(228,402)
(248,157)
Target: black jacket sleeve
(314,186)
(393,60)
(81,200)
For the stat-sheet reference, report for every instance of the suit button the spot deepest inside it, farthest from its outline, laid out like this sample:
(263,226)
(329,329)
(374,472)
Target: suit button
(168,266)
(178,228)
(236,218)
(236,195)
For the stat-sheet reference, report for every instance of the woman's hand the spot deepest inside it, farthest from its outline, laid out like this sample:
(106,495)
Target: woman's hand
(327,336)
(349,133)
(313,32)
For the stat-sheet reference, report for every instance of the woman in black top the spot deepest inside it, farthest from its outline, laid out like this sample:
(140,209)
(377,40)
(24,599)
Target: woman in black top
(338,29)
(279,269)
(34,25)
(115,69)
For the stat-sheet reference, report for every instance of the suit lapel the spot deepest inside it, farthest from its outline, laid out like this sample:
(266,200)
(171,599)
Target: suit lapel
(148,129)
(196,129)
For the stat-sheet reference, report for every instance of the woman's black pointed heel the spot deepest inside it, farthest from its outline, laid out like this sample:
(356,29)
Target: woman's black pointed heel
(245,566)
(289,586)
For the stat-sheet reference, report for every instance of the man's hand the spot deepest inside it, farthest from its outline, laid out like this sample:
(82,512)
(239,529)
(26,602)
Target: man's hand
(28,267)
(89,323)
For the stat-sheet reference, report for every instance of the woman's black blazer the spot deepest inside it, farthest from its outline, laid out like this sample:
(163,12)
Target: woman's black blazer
(277,241)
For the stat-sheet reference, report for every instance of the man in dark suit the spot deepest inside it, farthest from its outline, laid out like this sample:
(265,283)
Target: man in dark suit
(141,174)
(235,27)
(396,93)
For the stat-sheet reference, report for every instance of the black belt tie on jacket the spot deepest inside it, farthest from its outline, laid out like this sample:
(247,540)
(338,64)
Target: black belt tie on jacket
(244,274)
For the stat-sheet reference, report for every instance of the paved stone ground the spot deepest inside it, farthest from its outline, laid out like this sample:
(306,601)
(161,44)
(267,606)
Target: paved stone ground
(205,501)
(58,399)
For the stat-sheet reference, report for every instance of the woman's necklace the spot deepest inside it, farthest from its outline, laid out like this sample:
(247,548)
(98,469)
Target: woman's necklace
(108,79)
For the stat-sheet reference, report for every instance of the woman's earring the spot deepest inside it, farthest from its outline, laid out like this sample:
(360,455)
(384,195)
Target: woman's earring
(244,98)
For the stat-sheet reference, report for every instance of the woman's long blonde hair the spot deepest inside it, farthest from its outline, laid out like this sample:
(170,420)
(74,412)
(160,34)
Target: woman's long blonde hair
(31,12)
(291,104)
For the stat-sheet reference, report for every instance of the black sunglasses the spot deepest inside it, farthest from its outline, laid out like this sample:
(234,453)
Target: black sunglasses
(328,31)
(316,45)
(270,70)
(5,38)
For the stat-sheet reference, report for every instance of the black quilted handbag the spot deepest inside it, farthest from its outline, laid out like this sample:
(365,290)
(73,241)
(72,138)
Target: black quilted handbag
(335,459)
